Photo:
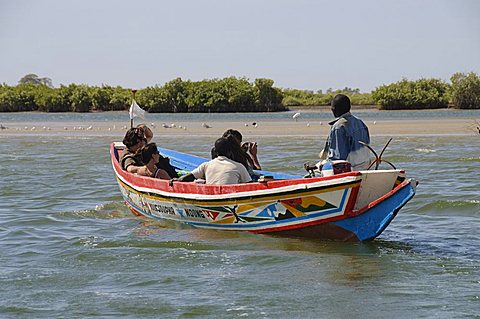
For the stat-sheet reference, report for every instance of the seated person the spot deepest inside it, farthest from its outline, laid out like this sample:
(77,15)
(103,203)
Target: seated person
(163,162)
(131,160)
(150,157)
(250,149)
(223,169)
(147,132)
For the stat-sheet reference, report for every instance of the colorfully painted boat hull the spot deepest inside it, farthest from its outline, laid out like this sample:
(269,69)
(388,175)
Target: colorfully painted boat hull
(353,206)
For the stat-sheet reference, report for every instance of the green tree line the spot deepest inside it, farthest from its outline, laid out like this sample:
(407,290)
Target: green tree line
(463,92)
(233,94)
(218,95)
(295,97)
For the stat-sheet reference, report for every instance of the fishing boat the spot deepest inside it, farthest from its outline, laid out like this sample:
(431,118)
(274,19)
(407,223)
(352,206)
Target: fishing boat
(350,206)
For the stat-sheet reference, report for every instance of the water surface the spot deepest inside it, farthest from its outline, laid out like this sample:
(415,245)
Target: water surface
(70,248)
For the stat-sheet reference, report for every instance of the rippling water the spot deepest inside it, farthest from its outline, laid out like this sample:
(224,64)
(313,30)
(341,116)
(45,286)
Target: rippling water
(322,114)
(69,247)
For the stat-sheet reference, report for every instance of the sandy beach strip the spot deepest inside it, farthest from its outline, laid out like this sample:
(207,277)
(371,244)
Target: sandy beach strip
(409,127)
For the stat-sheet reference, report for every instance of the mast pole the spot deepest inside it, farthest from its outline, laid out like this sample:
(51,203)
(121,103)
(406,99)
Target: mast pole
(133,99)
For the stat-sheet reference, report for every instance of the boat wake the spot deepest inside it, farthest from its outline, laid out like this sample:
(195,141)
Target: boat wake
(104,211)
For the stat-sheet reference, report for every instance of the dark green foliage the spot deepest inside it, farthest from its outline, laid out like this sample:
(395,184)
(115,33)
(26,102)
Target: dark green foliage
(120,99)
(176,92)
(154,99)
(54,100)
(80,99)
(239,93)
(420,94)
(221,95)
(292,101)
(108,98)
(18,99)
(294,97)
(204,96)
(231,94)
(465,90)
(71,98)
(267,97)
(218,95)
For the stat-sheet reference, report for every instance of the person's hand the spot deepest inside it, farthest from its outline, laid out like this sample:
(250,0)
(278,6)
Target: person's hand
(252,147)
(308,167)
(143,171)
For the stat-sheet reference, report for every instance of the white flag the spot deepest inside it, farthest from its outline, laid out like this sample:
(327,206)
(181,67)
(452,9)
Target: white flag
(136,111)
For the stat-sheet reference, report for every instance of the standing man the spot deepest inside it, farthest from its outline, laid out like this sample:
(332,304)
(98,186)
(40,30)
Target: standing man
(345,134)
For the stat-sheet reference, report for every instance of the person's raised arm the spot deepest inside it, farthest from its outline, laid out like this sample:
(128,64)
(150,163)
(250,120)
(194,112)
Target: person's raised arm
(252,152)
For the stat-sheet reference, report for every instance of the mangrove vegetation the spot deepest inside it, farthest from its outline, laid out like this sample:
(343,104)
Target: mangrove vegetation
(233,94)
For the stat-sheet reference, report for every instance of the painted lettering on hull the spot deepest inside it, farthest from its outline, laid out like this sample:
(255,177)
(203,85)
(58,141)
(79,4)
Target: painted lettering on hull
(161,209)
(194,213)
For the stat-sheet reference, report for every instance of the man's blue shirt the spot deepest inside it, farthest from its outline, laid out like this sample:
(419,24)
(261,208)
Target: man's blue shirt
(344,137)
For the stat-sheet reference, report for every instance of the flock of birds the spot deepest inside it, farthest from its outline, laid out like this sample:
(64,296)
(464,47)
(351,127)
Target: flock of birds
(164,125)
(173,125)
(114,127)
(475,126)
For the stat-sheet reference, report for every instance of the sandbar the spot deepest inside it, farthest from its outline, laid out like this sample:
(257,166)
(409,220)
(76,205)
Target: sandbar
(397,127)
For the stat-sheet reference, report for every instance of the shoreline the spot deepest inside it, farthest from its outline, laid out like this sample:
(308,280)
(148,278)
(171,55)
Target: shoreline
(403,127)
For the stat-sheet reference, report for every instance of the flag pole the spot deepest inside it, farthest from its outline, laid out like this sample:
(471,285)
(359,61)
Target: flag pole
(133,99)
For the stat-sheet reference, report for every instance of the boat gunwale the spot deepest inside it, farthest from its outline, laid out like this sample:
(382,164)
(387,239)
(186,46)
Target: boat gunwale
(186,190)
(242,197)
(397,188)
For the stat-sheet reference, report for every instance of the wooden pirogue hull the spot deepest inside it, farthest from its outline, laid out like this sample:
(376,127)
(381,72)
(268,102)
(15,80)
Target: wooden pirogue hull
(350,206)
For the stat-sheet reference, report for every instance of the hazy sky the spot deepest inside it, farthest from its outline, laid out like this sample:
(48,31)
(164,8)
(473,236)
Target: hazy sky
(298,43)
